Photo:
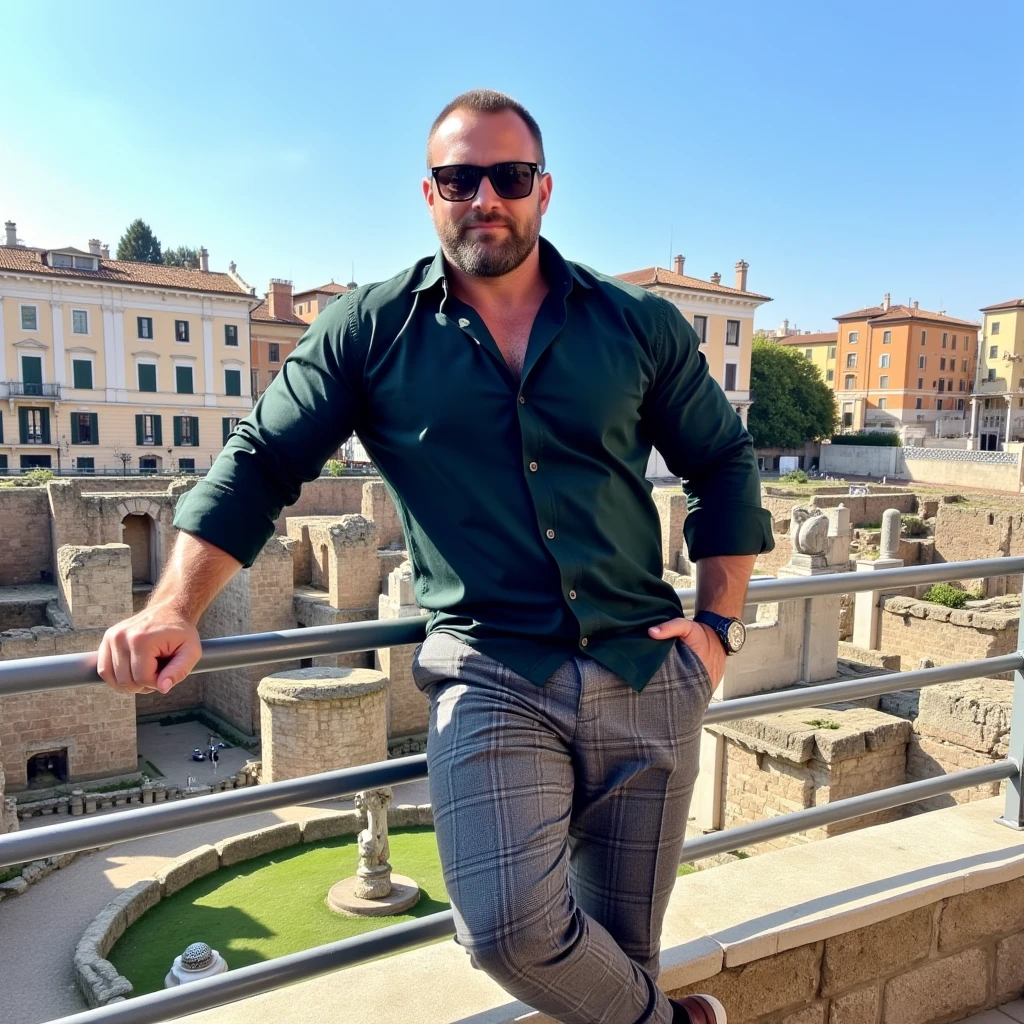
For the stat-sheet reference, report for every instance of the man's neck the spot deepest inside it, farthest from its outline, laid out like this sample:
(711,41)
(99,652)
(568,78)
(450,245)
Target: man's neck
(524,286)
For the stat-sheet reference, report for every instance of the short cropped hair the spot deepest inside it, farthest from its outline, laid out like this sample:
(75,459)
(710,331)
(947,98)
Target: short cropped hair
(488,101)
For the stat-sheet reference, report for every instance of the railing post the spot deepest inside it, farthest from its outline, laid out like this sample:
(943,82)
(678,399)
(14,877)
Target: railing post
(1013,815)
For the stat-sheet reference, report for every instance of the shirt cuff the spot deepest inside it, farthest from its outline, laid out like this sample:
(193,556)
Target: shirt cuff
(224,519)
(733,529)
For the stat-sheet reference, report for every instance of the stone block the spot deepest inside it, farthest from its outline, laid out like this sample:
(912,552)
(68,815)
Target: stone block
(135,901)
(858,1007)
(255,844)
(940,990)
(184,870)
(1010,967)
(814,1014)
(981,914)
(343,823)
(13,886)
(860,956)
(974,713)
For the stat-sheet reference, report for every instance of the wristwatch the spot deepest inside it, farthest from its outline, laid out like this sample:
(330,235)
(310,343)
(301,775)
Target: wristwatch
(731,632)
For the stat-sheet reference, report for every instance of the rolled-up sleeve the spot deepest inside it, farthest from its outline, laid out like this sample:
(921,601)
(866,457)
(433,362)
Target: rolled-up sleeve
(310,408)
(703,441)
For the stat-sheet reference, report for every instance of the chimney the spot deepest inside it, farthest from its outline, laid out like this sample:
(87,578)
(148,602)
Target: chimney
(12,233)
(279,299)
(741,275)
(886,302)
(204,259)
(679,261)
(105,252)
(94,247)
(915,304)
(716,278)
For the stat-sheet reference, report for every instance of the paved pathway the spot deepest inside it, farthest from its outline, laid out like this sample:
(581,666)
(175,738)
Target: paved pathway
(40,929)
(1004,1015)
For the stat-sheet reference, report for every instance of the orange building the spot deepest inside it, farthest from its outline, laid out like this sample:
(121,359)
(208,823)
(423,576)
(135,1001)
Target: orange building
(904,368)
(308,305)
(274,330)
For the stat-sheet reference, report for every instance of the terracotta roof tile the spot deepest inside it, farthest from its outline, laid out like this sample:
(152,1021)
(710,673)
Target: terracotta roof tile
(860,314)
(896,313)
(808,339)
(1011,304)
(659,275)
(24,259)
(328,289)
(262,314)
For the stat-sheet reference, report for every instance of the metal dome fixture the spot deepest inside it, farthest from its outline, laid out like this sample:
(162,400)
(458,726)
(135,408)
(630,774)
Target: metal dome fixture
(197,957)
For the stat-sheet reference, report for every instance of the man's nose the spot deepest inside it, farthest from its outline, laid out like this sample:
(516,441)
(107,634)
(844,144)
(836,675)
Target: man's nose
(486,198)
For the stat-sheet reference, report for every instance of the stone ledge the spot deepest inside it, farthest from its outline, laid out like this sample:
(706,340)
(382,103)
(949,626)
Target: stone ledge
(184,870)
(255,844)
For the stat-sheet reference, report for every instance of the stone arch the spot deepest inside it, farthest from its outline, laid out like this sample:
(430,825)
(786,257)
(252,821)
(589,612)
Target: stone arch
(139,532)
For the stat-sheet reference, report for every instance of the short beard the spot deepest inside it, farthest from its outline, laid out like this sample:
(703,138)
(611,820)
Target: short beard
(480,260)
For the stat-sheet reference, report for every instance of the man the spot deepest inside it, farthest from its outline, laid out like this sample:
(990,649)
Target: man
(510,400)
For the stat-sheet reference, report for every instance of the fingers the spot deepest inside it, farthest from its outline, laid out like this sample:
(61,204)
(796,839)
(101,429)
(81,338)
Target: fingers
(129,656)
(181,663)
(674,628)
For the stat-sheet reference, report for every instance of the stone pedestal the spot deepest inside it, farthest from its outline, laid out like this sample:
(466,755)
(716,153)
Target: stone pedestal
(866,612)
(197,962)
(320,719)
(405,893)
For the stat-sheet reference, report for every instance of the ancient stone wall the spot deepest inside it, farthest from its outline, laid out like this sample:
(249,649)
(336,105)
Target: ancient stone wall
(916,629)
(378,506)
(966,532)
(25,529)
(671,505)
(326,496)
(408,711)
(95,584)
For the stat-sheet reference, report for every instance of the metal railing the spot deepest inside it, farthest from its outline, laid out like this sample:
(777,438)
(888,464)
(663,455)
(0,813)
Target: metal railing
(38,674)
(19,389)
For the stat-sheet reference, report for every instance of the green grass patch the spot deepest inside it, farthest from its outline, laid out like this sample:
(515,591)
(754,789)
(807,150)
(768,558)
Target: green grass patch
(270,906)
(685,869)
(823,723)
(113,787)
(947,595)
(6,874)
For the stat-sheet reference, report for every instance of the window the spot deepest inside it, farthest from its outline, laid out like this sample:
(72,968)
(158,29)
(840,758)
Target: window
(84,429)
(967,343)
(148,430)
(961,386)
(33,425)
(271,374)
(233,382)
(938,404)
(61,260)
(924,337)
(847,419)
(274,352)
(960,404)
(945,339)
(732,332)
(85,465)
(84,263)
(995,327)
(700,325)
(186,465)
(942,363)
(851,360)
(954,342)
(993,351)
(920,383)
(830,375)
(917,403)
(32,374)
(831,351)
(181,330)
(886,337)
(883,382)
(949,385)
(850,383)
(147,465)
(147,376)
(254,381)
(882,403)
(854,337)
(809,353)
(883,361)
(942,386)
(730,376)
(963,365)
(79,321)
(228,423)
(186,431)
(183,380)
(145,326)
(81,373)
(231,335)
(29,318)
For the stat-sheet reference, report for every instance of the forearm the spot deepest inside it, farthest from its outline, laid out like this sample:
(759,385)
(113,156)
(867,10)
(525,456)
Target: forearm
(722,583)
(194,575)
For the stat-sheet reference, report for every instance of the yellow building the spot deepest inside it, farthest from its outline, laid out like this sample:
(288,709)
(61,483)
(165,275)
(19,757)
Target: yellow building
(997,409)
(723,318)
(308,305)
(101,356)
(820,349)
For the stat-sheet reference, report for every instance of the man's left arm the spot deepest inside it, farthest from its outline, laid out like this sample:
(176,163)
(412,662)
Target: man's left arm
(703,441)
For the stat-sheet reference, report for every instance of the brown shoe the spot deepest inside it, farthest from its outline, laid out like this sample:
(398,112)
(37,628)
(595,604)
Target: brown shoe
(698,1009)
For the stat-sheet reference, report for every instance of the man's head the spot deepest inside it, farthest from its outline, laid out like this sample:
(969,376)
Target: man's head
(487,235)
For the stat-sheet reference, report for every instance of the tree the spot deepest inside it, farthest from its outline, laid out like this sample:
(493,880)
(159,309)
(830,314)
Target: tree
(182,256)
(792,404)
(138,243)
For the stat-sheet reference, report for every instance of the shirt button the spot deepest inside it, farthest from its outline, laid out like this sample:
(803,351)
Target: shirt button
(522,401)
(533,467)
(584,642)
(572,595)
(550,534)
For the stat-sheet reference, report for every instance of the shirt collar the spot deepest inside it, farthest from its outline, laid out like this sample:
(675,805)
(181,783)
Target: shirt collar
(556,269)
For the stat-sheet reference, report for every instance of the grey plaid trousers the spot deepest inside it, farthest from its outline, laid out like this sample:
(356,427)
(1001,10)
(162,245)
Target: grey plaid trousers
(560,813)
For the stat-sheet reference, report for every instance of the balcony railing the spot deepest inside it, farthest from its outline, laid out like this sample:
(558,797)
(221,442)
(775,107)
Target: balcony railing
(19,389)
(32,675)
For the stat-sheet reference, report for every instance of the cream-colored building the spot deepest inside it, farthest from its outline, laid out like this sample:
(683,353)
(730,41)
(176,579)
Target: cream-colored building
(819,348)
(101,356)
(997,409)
(308,305)
(723,318)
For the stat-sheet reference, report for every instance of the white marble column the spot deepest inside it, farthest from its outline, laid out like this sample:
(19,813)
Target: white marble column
(117,374)
(109,355)
(974,417)
(57,320)
(209,388)
(4,376)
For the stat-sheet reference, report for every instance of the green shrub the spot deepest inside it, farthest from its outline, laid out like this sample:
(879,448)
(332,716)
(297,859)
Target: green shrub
(334,467)
(878,438)
(797,476)
(946,594)
(914,526)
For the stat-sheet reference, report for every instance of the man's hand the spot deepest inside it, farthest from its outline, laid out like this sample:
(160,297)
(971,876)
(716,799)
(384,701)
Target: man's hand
(153,650)
(701,639)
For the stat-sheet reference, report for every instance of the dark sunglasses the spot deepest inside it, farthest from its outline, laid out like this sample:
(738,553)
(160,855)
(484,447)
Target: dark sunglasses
(458,183)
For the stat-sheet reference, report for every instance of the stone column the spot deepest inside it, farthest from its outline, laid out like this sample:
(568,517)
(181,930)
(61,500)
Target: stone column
(353,570)
(378,506)
(95,584)
(974,419)
(866,613)
(408,711)
(671,505)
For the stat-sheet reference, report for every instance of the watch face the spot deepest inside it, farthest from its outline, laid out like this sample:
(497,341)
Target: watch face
(735,635)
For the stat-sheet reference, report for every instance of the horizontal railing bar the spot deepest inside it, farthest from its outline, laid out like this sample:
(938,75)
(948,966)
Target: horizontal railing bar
(256,978)
(30,675)
(93,831)
(739,836)
(873,686)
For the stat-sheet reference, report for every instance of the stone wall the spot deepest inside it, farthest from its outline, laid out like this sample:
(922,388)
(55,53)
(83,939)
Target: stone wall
(25,529)
(95,584)
(965,532)
(916,629)
(408,710)
(671,505)
(378,506)
(326,496)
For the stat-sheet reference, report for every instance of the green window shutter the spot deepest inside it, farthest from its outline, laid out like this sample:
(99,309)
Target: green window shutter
(1,427)
(147,377)
(233,382)
(183,380)
(45,424)
(158,434)
(74,428)
(225,430)
(138,429)
(177,431)
(195,430)
(23,425)
(94,427)
(82,372)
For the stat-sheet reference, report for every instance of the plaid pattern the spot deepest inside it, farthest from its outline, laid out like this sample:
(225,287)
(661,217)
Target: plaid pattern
(560,813)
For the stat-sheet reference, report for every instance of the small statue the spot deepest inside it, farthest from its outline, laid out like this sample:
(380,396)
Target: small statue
(374,872)
(808,530)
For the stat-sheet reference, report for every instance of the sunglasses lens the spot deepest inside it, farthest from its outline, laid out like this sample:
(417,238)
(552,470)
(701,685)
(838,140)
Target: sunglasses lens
(512,180)
(458,182)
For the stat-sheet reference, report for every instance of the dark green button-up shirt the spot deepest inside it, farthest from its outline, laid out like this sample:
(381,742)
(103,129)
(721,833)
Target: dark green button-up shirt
(529,519)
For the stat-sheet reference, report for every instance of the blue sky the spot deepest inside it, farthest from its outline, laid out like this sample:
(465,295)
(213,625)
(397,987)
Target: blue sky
(843,150)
